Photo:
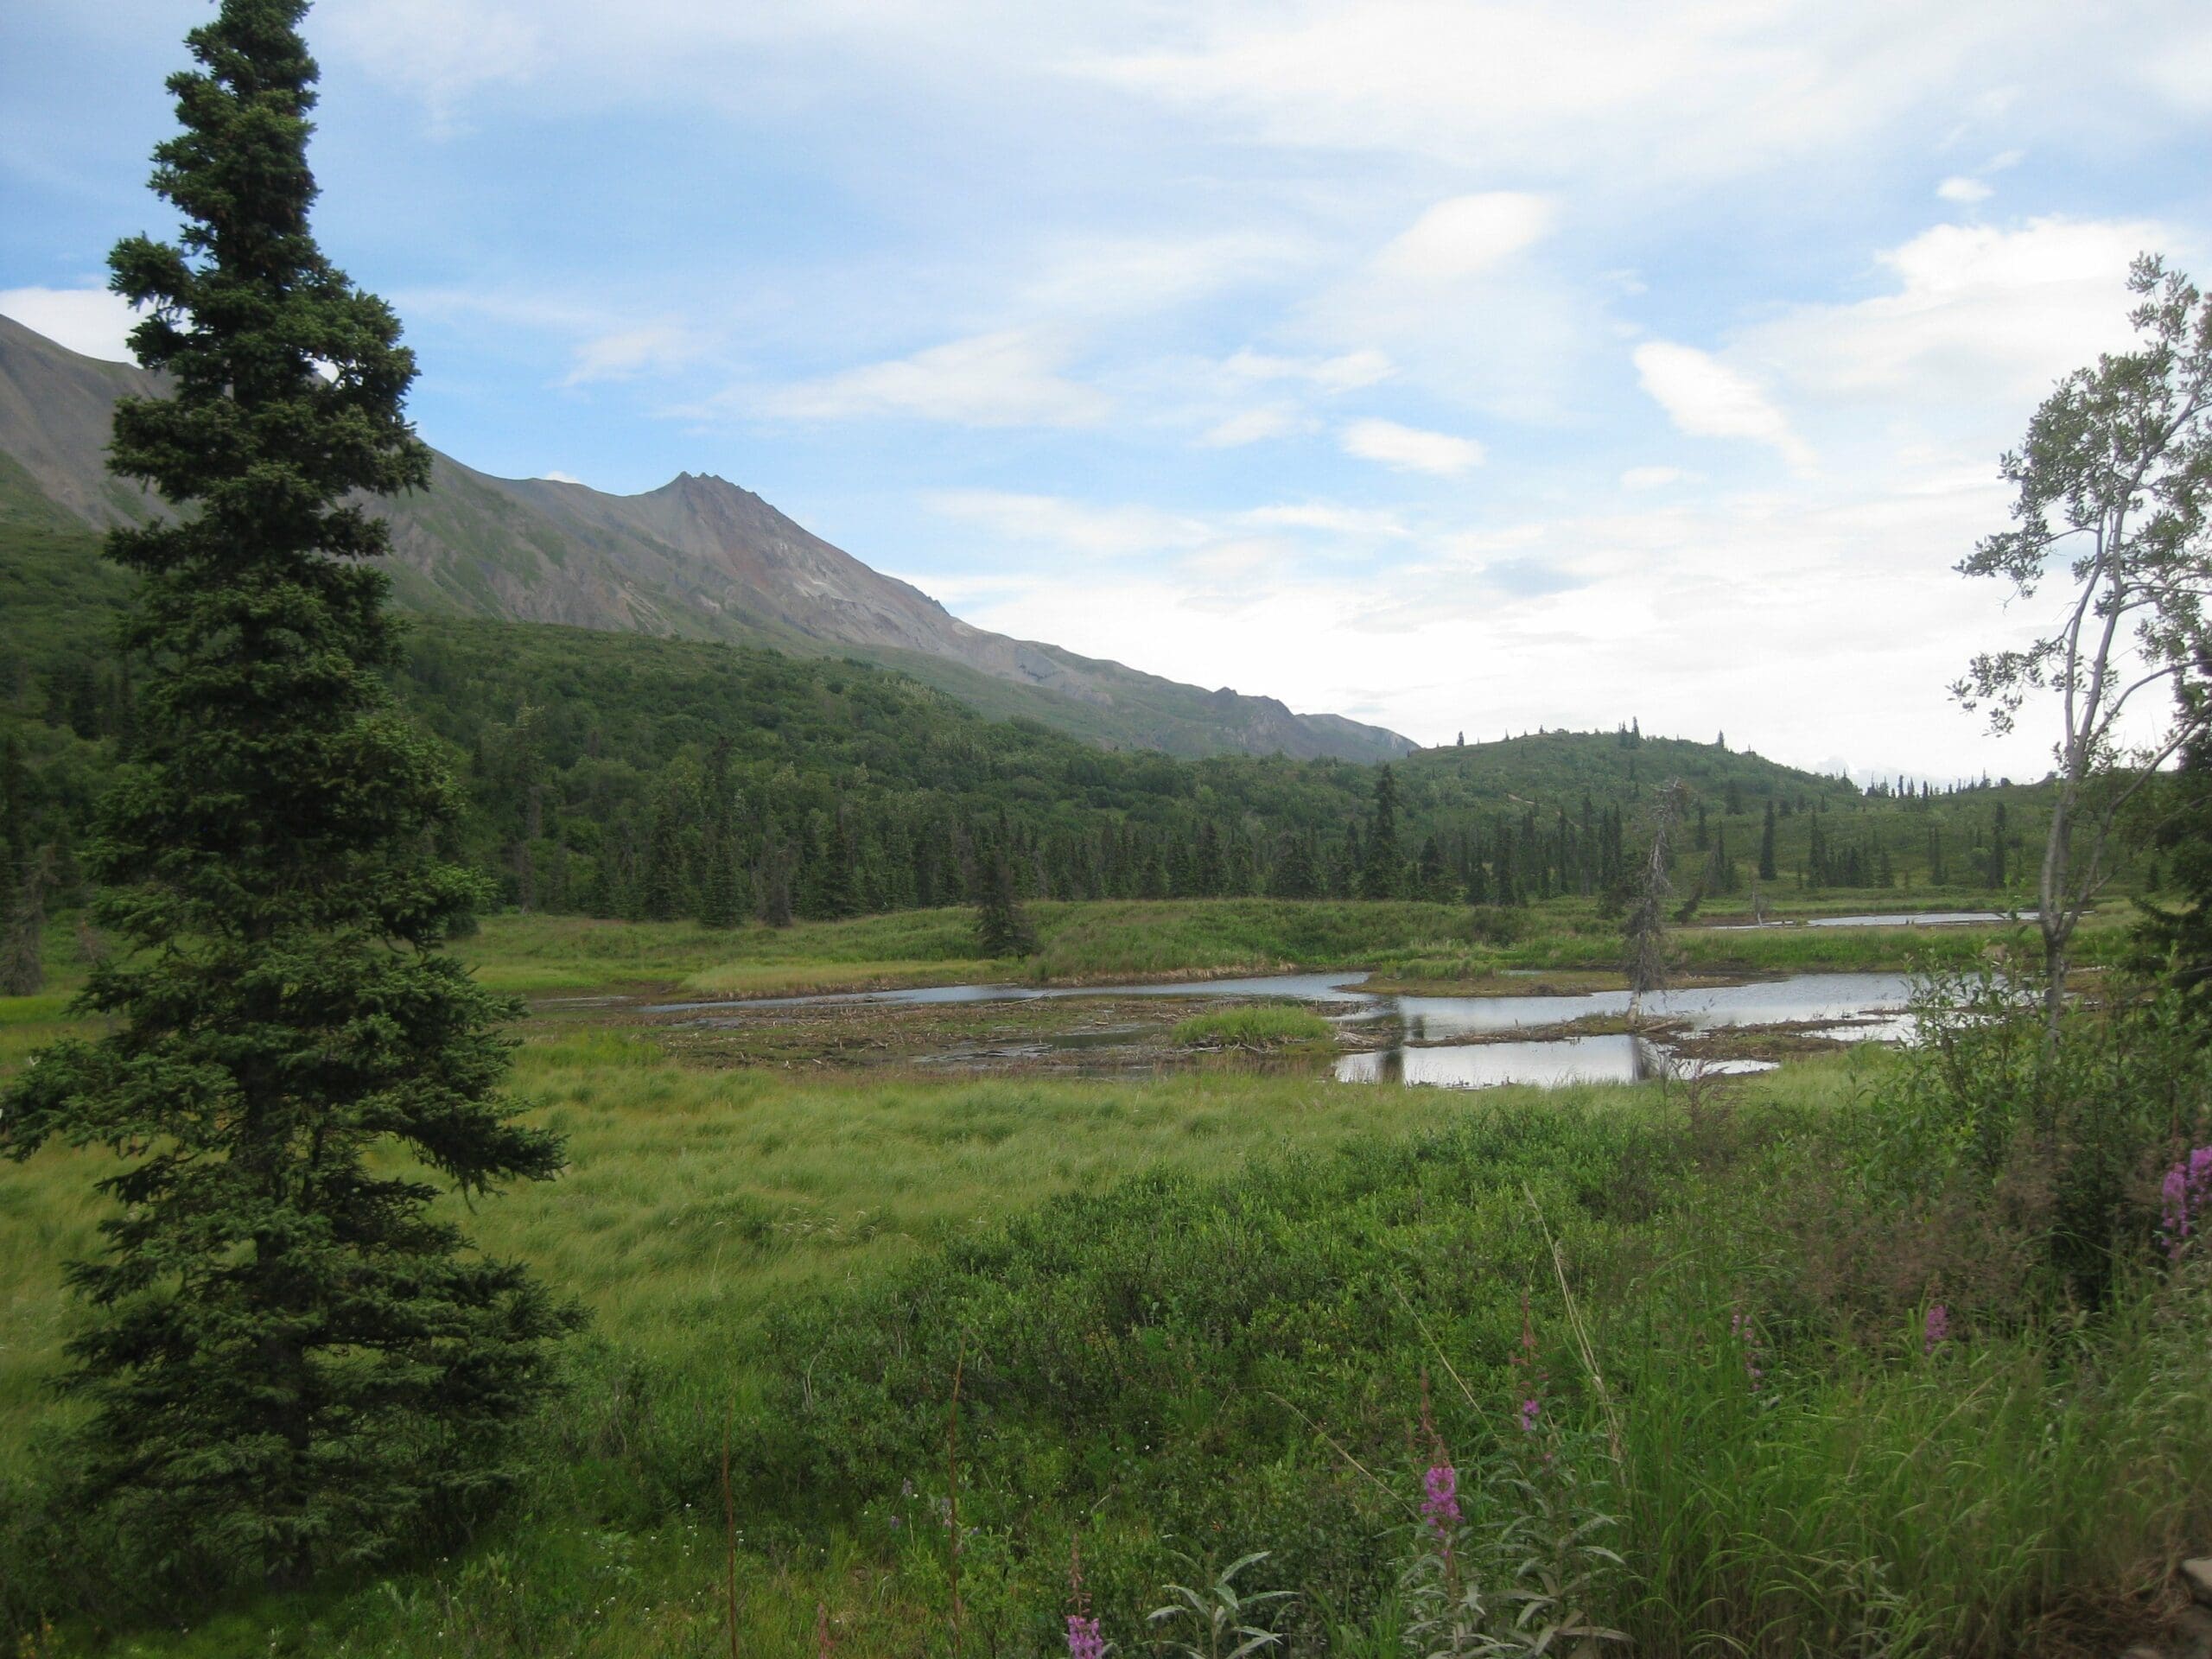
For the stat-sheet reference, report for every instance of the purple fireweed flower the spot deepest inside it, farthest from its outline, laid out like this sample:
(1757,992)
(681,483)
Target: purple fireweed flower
(1083,1640)
(2187,1192)
(1531,1409)
(1440,1505)
(1935,1331)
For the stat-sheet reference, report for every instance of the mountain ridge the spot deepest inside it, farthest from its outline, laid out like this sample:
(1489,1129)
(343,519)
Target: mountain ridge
(698,557)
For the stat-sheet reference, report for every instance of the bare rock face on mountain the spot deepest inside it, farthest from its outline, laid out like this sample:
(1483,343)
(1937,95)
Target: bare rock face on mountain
(697,557)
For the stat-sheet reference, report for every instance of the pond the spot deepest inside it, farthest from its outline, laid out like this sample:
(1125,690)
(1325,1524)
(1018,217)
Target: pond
(1447,1041)
(1895,918)
(1547,1064)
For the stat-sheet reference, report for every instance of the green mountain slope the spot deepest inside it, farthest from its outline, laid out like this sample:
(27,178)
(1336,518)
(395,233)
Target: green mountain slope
(697,558)
(618,773)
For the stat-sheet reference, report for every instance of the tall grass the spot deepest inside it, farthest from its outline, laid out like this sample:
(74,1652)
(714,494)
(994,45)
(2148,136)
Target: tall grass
(1259,1024)
(1183,1307)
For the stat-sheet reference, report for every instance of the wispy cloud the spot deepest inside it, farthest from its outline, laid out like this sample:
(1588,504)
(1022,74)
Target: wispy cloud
(1346,372)
(1410,450)
(1706,398)
(1010,379)
(1466,237)
(626,353)
(1250,425)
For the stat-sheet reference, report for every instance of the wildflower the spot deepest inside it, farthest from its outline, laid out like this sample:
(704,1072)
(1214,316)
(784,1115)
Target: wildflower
(1440,1505)
(2187,1191)
(1533,1373)
(1083,1640)
(1935,1331)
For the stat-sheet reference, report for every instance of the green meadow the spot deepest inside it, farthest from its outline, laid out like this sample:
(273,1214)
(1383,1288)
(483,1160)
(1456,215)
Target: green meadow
(1215,1311)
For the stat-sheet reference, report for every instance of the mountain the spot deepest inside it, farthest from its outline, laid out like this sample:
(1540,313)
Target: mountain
(698,558)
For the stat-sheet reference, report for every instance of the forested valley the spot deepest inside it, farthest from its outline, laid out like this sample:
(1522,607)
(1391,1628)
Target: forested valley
(616,775)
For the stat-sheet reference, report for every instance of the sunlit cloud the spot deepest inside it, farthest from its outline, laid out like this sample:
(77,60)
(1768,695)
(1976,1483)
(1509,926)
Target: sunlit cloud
(88,321)
(1411,449)
(1012,378)
(1706,398)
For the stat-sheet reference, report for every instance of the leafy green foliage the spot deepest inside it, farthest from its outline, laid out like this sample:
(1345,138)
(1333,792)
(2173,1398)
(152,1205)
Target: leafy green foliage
(2032,1173)
(288,1361)
(1214,1620)
(2114,483)
(2175,940)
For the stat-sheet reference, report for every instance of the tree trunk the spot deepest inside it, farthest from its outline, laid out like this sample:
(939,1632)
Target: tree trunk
(2056,916)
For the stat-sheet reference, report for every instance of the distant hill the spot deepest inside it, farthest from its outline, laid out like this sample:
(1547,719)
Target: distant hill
(1556,769)
(698,558)
(857,787)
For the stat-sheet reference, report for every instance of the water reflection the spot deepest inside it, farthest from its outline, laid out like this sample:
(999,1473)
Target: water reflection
(1802,998)
(1894,918)
(1546,1064)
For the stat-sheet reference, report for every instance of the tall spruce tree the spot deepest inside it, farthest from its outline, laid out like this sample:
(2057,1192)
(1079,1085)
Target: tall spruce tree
(1383,873)
(720,903)
(1003,927)
(289,1361)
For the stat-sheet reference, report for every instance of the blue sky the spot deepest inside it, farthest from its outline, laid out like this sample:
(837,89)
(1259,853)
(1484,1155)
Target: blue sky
(1457,366)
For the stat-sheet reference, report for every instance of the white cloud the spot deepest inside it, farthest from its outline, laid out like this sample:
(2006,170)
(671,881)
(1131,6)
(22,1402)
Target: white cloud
(1978,318)
(1706,398)
(1251,427)
(88,321)
(1072,526)
(1106,277)
(1346,372)
(1651,478)
(1008,378)
(1575,619)
(1466,237)
(1467,301)
(627,352)
(445,50)
(1961,188)
(1325,516)
(2181,69)
(1409,448)
(560,478)
(1628,90)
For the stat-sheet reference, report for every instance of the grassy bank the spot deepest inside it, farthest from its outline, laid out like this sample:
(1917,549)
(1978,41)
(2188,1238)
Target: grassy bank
(1105,939)
(1109,939)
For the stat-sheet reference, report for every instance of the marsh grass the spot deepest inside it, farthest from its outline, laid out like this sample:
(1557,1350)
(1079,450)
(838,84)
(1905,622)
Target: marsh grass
(1255,1026)
(1138,1273)
(1101,941)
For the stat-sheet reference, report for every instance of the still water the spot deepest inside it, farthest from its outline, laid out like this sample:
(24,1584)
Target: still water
(1845,1007)
(1548,1065)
